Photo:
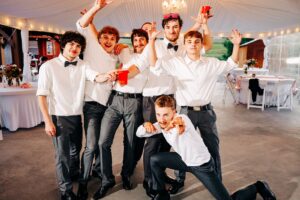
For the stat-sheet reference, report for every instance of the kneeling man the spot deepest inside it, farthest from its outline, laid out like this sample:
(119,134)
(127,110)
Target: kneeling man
(191,155)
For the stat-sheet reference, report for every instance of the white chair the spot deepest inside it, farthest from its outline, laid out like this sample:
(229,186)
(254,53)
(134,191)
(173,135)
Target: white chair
(251,104)
(230,86)
(285,94)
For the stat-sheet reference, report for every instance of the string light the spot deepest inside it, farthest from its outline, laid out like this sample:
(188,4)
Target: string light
(7,21)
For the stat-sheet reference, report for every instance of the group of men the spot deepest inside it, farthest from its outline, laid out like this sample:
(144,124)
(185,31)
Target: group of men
(158,72)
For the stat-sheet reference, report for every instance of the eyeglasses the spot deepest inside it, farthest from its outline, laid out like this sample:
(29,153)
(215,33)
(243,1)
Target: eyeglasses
(171,15)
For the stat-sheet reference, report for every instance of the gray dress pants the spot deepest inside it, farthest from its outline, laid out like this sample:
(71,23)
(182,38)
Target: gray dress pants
(129,110)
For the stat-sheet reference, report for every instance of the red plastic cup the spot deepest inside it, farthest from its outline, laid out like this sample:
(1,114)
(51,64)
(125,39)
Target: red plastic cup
(205,9)
(123,76)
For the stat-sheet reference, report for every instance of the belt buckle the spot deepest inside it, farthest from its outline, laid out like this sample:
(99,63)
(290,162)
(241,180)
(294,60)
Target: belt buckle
(196,108)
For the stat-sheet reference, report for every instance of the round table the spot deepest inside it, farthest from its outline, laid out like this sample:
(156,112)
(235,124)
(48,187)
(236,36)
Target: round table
(19,108)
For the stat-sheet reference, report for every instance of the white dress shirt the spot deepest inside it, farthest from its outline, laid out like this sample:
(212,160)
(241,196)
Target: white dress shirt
(189,145)
(102,62)
(163,84)
(137,83)
(64,86)
(195,80)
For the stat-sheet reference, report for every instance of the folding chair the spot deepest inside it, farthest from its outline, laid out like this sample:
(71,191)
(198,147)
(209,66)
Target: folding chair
(285,94)
(230,86)
(250,103)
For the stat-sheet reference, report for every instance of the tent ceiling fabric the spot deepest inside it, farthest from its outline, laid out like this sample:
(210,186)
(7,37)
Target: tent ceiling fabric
(252,16)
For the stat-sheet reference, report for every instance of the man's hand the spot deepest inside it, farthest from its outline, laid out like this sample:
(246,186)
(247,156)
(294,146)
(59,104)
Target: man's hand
(99,4)
(177,123)
(202,18)
(119,47)
(150,128)
(235,37)
(50,128)
(152,32)
(111,75)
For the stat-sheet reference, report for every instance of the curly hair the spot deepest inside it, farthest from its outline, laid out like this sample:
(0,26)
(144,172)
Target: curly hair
(139,33)
(71,36)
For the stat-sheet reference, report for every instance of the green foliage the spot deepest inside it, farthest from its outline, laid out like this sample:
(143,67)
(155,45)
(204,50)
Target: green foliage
(229,46)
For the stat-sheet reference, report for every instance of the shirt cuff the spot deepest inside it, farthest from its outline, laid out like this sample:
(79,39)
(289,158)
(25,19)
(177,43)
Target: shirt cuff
(41,92)
(231,62)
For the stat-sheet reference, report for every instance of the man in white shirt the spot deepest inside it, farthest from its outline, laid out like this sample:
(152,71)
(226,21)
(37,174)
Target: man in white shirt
(100,53)
(195,79)
(126,106)
(191,155)
(60,94)
(170,46)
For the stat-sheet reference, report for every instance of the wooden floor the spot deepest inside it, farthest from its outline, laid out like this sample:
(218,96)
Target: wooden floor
(255,145)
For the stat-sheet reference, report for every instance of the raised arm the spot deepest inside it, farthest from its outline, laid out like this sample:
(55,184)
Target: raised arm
(236,39)
(87,18)
(201,22)
(152,52)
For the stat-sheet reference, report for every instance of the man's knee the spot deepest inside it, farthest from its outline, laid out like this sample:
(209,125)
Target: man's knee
(155,160)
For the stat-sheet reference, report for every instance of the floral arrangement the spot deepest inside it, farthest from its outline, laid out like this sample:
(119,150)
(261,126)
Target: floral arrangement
(11,72)
(251,62)
(25,85)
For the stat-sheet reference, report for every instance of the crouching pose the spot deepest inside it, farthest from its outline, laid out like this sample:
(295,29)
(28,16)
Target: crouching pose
(191,155)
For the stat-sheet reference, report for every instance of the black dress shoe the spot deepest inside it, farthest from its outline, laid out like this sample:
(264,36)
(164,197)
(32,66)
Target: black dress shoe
(101,192)
(68,195)
(265,191)
(82,193)
(169,180)
(149,191)
(162,196)
(176,187)
(127,185)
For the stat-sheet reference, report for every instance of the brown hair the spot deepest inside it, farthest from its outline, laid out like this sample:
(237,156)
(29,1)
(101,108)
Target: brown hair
(109,30)
(195,34)
(171,17)
(71,36)
(166,101)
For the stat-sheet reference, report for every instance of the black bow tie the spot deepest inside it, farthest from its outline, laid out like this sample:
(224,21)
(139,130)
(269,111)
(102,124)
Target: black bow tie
(170,46)
(67,63)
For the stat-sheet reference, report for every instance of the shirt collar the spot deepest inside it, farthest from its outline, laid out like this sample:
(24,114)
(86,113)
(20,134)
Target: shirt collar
(166,41)
(189,61)
(63,59)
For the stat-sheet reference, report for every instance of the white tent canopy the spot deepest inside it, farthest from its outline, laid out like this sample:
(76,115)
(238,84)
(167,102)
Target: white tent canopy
(249,16)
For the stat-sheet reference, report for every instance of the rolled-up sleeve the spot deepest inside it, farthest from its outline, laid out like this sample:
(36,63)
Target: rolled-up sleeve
(224,66)
(141,131)
(44,81)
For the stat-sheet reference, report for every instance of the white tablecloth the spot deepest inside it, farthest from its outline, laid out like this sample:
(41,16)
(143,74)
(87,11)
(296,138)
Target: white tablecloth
(240,71)
(19,108)
(272,83)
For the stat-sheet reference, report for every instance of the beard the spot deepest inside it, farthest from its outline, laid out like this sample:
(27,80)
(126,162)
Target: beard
(173,39)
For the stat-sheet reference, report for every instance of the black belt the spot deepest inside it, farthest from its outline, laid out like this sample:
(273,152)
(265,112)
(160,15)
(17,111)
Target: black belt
(127,95)
(94,103)
(198,108)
